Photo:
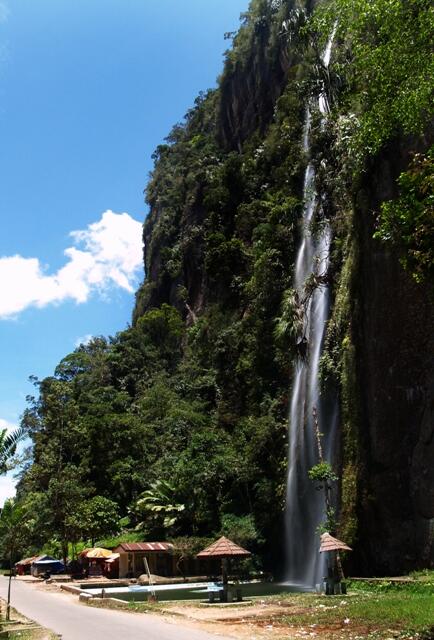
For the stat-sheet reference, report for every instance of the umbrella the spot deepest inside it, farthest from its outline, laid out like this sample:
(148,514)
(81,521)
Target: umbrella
(224,548)
(328,543)
(98,552)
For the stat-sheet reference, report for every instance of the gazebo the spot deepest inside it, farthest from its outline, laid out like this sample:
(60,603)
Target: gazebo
(332,545)
(328,543)
(224,549)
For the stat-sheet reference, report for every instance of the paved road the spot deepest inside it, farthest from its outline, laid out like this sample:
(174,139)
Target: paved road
(63,614)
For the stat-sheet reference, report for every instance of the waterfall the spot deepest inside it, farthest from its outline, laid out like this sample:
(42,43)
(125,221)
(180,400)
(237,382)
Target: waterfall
(304,504)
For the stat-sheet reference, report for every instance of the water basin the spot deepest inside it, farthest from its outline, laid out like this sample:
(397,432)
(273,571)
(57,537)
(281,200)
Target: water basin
(192,591)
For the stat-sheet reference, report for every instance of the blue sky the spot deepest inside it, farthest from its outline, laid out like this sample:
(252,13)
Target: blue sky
(88,89)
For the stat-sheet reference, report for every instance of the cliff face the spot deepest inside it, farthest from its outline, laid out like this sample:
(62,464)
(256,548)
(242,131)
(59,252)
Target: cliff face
(249,91)
(394,348)
(219,247)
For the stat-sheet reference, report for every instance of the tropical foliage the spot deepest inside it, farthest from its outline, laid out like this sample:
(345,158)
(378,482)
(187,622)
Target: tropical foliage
(179,421)
(408,221)
(8,446)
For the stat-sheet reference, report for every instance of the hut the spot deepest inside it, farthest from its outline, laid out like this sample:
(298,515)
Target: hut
(23,566)
(224,549)
(132,555)
(335,574)
(328,543)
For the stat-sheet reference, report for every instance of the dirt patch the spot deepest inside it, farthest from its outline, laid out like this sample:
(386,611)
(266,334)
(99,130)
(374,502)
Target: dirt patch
(256,611)
(254,622)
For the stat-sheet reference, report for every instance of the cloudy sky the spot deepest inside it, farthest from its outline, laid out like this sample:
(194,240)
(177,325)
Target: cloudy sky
(87,91)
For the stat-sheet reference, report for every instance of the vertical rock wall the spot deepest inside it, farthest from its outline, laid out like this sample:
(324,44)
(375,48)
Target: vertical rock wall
(394,335)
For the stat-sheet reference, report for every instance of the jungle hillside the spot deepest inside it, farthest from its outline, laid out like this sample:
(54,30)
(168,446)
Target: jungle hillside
(176,428)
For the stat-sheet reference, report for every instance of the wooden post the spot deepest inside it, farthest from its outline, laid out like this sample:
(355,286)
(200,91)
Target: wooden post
(225,579)
(340,571)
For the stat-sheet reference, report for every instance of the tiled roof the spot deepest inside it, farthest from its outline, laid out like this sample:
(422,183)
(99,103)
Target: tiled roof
(328,543)
(134,547)
(224,548)
(26,561)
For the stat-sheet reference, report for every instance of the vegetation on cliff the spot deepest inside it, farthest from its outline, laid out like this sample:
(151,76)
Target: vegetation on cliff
(194,395)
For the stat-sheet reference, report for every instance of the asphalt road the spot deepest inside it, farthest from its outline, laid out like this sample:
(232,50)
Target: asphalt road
(63,614)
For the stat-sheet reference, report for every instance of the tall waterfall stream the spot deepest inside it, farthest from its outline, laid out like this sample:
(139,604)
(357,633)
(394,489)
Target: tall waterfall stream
(304,504)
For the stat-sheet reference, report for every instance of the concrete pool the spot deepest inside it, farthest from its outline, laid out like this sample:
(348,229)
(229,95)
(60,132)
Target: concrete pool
(189,591)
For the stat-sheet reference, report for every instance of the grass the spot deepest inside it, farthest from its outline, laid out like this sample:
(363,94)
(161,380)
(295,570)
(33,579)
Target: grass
(380,610)
(426,575)
(362,614)
(144,606)
(34,634)
(367,613)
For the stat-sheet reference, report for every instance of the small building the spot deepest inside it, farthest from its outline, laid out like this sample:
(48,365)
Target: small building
(111,566)
(132,558)
(23,566)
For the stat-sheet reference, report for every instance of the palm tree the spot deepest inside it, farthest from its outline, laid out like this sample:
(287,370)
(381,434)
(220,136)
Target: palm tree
(11,515)
(160,504)
(8,446)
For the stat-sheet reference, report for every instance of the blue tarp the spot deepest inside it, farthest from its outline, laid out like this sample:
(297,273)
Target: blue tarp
(47,564)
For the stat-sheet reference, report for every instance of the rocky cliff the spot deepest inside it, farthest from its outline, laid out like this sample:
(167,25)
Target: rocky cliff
(225,202)
(394,345)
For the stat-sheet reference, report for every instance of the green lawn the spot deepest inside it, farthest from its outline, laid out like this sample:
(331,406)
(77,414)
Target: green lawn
(380,610)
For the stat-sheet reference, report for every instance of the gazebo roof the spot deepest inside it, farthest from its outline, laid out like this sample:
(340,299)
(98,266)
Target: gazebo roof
(224,548)
(328,543)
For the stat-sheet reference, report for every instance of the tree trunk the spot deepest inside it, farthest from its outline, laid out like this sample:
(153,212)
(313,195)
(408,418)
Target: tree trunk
(8,606)
(225,579)
(340,570)
(65,552)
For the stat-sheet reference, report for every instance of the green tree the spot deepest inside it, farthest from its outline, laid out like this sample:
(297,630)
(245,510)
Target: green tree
(388,64)
(324,477)
(240,529)
(8,446)
(65,493)
(97,517)
(12,536)
(158,506)
(408,221)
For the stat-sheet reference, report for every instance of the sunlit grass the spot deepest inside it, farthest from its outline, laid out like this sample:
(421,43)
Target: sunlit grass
(372,612)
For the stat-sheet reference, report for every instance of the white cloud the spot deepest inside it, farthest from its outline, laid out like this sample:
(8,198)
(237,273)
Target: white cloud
(7,487)
(106,254)
(5,424)
(84,340)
